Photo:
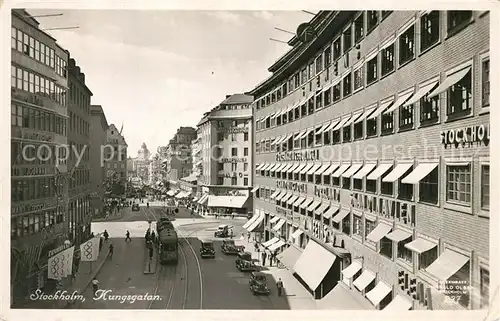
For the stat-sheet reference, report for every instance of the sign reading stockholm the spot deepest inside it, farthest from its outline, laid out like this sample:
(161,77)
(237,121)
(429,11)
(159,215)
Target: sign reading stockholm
(310,155)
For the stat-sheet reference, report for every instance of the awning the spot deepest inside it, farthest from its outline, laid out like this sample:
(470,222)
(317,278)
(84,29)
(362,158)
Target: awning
(306,168)
(341,215)
(297,233)
(279,168)
(366,114)
(353,169)
(276,245)
(332,125)
(399,303)
(251,221)
(274,219)
(342,122)
(378,293)
(379,232)
(180,195)
(331,169)
(273,195)
(353,119)
(322,208)
(270,242)
(314,205)
(420,245)
(279,225)
(399,102)
(364,171)
(421,93)
(364,280)
(447,264)
(322,169)
(397,172)
(286,168)
(281,195)
(299,168)
(257,222)
(293,168)
(306,133)
(299,135)
(379,171)
(273,167)
(309,96)
(292,199)
(187,194)
(351,270)
(227,201)
(203,199)
(306,203)
(380,109)
(259,167)
(299,201)
(313,274)
(342,298)
(286,197)
(420,172)
(313,169)
(323,128)
(398,235)
(255,189)
(341,170)
(266,167)
(449,81)
(289,256)
(332,210)
(195,199)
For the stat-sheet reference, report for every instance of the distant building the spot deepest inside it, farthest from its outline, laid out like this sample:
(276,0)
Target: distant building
(115,159)
(98,129)
(178,154)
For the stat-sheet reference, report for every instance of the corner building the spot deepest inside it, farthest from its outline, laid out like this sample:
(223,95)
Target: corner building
(372,158)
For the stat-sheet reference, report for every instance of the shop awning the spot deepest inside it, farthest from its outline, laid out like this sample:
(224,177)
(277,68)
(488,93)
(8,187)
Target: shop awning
(342,122)
(354,118)
(276,193)
(286,168)
(399,304)
(187,194)
(399,102)
(297,233)
(256,223)
(313,274)
(265,167)
(255,189)
(332,210)
(420,172)
(364,171)
(274,219)
(420,245)
(180,195)
(286,197)
(294,168)
(279,225)
(203,199)
(332,124)
(299,168)
(323,128)
(289,256)
(279,168)
(398,235)
(341,170)
(292,199)
(273,167)
(306,168)
(397,172)
(314,205)
(322,169)
(270,242)
(281,196)
(421,93)
(307,132)
(299,201)
(313,169)
(353,169)
(447,264)
(366,114)
(321,208)
(351,270)
(379,232)
(449,81)
(300,134)
(276,245)
(259,166)
(379,171)
(380,109)
(306,203)
(251,220)
(364,280)
(331,169)
(227,201)
(378,293)
(341,215)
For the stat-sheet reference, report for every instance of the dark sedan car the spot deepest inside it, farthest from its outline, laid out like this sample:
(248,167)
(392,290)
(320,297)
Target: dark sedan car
(258,284)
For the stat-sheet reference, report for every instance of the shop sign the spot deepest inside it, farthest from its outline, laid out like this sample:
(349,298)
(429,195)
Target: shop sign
(293,186)
(233,130)
(329,193)
(310,155)
(233,160)
(400,211)
(466,136)
(233,174)
(59,249)
(27,208)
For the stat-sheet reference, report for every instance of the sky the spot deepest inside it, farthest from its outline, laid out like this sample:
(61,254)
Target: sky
(155,71)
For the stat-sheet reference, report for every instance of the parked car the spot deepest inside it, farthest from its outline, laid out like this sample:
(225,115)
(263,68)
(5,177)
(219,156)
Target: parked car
(245,263)
(222,231)
(135,207)
(258,284)
(207,249)
(229,247)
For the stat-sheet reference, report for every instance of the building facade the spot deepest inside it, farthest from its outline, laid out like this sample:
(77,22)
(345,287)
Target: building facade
(225,144)
(98,128)
(178,156)
(372,157)
(39,118)
(79,204)
(115,162)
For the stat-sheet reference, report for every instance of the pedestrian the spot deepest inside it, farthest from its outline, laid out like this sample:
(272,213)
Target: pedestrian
(111,249)
(153,237)
(279,285)
(248,237)
(232,233)
(95,285)
(264,256)
(106,235)
(100,244)
(128,237)
(271,259)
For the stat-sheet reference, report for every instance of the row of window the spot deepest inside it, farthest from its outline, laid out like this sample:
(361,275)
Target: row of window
(80,177)
(34,188)
(34,155)
(30,224)
(38,119)
(37,50)
(234,181)
(29,81)
(234,167)
(219,152)
(79,98)
(78,124)
(234,137)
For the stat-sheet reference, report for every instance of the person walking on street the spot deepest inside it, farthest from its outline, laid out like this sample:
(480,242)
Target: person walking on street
(111,249)
(127,238)
(279,285)
(248,237)
(106,235)
(100,243)
(264,256)
(95,286)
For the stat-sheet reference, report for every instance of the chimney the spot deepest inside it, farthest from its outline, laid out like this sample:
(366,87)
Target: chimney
(227,96)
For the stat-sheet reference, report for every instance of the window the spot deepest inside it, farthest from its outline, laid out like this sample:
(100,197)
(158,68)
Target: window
(369,227)
(357,183)
(347,39)
(234,151)
(358,78)
(387,56)
(403,252)
(328,56)
(234,167)
(387,188)
(234,181)
(359,28)
(386,247)
(458,184)
(245,167)
(485,186)
(319,64)
(429,109)
(304,76)
(407,45)
(406,119)
(335,136)
(428,187)
(358,130)
(245,181)
(284,89)
(220,180)
(311,70)
(387,123)
(457,19)
(220,137)
(245,151)
(346,83)
(337,51)
(357,226)
(385,14)
(429,30)
(484,287)
(327,96)
(460,96)
(336,92)
(427,258)
(371,70)
(371,185)
(485,82)
(346,134)
(371,20)
(405,191)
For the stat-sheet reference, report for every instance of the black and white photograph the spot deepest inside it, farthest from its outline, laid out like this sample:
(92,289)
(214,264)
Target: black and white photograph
(251,159)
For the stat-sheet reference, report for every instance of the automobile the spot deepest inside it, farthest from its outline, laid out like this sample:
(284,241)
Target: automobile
(229,247)
(222,231)
(244,262)
(135,207)
(207,249)
(258,284)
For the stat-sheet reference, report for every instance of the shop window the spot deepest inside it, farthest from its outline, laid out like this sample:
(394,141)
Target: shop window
(404,253)
(296,143)
(347,36)
(346,182)
(387,123)
(327,138)
(407,45)
(358,78)
(336,136)
(405,191)
(326,179)
(429,109)
(460,97)
(484,287)
(336,92)
(485,82)
(357,226)
(357,183)
(429,187)
(359,28)
(346,134)
(328,56)
(371,71)
(485,187)
(358,130)
(347,85)
(387,60)
(386,247)
(406,118)
(427,258)
(371,185)
(385,14)
(371,19)
(458,184)
(457,19)
(429,30)
(387,188)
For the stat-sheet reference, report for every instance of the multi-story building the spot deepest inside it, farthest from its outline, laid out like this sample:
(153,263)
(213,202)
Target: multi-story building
(131,167)
(178,158)
(98,128)
(115,161)
(225,142)
(142,163)
(39,117)
(79,205)
(372,155)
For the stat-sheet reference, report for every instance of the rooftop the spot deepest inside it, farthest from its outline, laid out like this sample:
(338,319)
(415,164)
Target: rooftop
(237,99)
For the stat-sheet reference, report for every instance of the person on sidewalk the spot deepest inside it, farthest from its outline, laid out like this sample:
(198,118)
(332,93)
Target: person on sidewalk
(272,258)
(100,244)
(111,249)
(264,256)
(106,235)
(279,285)
(248,237)
(95,286)
(127,236)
